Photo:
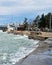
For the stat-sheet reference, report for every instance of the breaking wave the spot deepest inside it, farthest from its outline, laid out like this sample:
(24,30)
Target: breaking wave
(15,47)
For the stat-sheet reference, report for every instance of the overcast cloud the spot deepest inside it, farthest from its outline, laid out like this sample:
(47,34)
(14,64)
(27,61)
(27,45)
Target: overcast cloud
(8,7)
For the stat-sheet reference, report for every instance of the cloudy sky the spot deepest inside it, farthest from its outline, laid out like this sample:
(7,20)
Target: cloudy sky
(16,10)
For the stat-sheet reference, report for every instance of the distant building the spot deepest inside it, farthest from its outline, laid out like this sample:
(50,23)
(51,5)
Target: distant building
(11,27)
(20,27)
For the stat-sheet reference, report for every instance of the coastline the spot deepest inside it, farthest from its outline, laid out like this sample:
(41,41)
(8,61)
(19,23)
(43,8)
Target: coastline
(29,53)
(33,34)
(38,56)
(37,53)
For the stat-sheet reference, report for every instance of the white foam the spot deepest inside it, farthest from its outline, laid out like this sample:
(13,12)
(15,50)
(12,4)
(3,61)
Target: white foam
(24,52)
(21,37)
(1,31)
(25,36)
(36,41)
(13,53)
(4,56)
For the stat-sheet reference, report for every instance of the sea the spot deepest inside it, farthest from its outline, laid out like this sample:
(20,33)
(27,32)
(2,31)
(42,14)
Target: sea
(15,47)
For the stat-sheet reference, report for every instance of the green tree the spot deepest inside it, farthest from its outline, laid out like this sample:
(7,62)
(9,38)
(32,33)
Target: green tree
(37,20)
(42,23)
(49,20)
(25,24)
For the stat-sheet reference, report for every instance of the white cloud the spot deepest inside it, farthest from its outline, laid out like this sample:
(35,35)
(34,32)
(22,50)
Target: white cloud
(7,0)
(20,6)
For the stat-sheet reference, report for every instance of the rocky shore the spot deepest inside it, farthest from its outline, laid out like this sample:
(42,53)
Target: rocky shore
(33,34)
(41,56)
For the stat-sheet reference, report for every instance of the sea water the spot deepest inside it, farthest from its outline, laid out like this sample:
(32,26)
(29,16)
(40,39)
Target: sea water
(15,47)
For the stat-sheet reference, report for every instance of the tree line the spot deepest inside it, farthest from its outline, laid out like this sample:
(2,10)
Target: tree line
(41,22)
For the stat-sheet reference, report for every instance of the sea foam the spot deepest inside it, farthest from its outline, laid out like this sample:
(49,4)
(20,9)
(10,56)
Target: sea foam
(15,47)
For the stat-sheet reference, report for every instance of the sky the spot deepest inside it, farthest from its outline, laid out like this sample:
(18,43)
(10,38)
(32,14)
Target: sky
(16,10)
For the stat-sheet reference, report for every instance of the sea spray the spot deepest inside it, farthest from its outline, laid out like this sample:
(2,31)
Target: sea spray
(15,47)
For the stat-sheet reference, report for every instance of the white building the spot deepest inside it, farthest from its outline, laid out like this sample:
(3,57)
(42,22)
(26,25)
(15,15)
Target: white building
(11,27)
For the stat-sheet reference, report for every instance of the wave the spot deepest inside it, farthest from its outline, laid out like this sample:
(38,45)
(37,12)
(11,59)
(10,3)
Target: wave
(15,47)
(1,31)
(21,37)
(23,52)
